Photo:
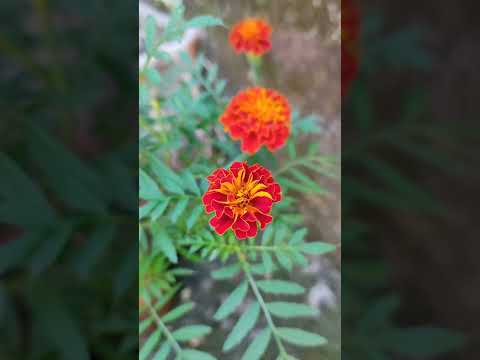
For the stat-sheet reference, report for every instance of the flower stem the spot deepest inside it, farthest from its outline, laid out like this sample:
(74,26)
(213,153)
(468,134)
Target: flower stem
(255,64)
(283,353)
(164,329)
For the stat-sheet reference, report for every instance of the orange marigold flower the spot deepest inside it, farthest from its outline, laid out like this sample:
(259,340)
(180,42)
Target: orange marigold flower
(240,197)
(258,116)
(251,36)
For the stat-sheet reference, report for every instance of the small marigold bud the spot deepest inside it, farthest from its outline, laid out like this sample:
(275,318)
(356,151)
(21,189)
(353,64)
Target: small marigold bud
(251,36)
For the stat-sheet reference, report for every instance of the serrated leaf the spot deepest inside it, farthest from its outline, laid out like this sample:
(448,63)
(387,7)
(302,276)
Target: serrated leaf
(242,327)
(258,346)
(191,332)
(232,302)
(287,310)
(301,337)
(280,287)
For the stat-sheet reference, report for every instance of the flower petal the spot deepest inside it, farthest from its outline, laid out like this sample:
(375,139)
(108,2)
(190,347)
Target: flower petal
(221,224)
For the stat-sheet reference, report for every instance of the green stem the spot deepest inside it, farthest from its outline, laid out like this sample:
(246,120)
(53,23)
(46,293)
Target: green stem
(164,329)
(255,64)
(258,295)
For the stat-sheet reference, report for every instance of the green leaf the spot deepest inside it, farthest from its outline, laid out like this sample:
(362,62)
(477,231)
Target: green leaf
(191,332)
(22,201)
(145,210)
(149,345)
(150,35)
(190,182)
(258,346)
(317,248)
(50,248)
(192,219)
(280,287)
(166,176)
(422,342)
(163,353)
(267,262)
(227,272)
(190,354)
(204,21)
(286,310)
(232,302)
(284,260)
(298,237)
(301,337)
(91,252)
(242,327)
(178,210)
(178,312)
(267,234)
(163,242)
(57,324)
(160,209)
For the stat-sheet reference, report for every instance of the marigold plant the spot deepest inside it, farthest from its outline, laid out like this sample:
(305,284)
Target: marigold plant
(202,192)
(251,36)
(258,117)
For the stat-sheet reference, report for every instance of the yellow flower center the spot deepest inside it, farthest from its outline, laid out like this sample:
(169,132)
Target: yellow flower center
(241,191)
(265,108)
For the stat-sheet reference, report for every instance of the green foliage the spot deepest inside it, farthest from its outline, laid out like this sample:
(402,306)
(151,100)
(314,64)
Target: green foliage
(375,179)
(180,146)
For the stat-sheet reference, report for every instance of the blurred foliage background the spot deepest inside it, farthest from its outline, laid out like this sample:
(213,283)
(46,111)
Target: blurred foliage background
(68,194)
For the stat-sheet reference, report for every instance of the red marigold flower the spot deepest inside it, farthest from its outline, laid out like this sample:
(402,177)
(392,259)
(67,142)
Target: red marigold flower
(251,36)
(240,197)
(258,116)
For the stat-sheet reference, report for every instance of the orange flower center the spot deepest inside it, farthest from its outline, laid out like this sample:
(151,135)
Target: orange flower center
(265,108)
(240,192)
(249,29)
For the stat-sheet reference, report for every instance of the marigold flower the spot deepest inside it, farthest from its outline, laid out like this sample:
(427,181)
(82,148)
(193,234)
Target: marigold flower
(258,116)
(251,36)
(240,197)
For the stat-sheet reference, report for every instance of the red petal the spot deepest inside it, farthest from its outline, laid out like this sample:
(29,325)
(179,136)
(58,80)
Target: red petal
(241,234)
(263,219)
(249,217)
(263,204)
(250,143)
(240,225)
(252,232)
(221,224)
